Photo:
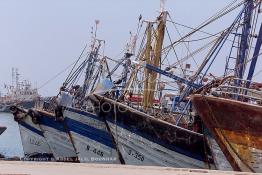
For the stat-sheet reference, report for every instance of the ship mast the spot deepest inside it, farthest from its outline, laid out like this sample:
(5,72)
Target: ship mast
(147,59)
(150,83)
(92,59)
(244,41)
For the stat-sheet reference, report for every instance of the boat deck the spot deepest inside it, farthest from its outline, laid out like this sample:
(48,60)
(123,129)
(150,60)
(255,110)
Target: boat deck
(46,168)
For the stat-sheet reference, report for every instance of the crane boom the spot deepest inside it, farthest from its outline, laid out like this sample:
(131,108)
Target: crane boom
(175,77)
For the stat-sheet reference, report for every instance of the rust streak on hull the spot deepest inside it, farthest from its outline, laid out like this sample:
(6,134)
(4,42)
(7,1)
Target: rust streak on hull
(237,128)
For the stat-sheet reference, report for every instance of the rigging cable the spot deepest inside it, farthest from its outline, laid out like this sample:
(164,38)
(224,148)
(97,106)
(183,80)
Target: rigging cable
(253,30)
(181,66)
(183,42)
(205,24)
(57,75)
(76,62)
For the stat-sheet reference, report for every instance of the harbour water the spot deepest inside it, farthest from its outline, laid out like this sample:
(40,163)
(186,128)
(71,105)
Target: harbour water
(10,141)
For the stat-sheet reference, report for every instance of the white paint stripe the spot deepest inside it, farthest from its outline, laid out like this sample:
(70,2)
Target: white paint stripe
(59,142)
(153,153)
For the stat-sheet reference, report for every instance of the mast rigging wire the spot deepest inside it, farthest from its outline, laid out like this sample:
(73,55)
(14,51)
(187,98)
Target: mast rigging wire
(206,23)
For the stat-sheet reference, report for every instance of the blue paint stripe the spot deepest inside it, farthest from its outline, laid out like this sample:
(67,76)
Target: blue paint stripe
(159,142)
(90,132)
(49,120)
(84,113)
(31,128)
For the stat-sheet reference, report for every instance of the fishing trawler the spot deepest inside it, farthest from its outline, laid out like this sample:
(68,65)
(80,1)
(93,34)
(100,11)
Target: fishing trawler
(21,94)
(231,109)
(46,128)
(145,140)
(89,132)
(42,123)
(35,146)
(235,121)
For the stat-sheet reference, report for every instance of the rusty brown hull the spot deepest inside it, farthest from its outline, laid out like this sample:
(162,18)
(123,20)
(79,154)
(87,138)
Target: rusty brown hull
(237,127)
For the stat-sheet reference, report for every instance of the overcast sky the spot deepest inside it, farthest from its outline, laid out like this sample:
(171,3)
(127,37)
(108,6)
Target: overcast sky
(42,37)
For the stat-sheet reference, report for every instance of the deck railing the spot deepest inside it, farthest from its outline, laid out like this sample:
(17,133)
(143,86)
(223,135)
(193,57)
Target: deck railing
(241,90)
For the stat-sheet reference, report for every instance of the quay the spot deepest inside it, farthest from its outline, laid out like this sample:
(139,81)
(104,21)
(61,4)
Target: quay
(55,168)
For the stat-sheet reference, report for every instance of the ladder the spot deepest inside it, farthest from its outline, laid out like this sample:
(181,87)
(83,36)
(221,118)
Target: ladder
(231,60)
(240,45)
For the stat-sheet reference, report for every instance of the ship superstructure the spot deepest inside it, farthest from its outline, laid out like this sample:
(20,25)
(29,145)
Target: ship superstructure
(20,93)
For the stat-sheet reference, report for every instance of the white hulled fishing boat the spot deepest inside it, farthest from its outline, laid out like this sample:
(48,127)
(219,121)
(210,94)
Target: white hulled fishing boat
(21,94)
(34,144)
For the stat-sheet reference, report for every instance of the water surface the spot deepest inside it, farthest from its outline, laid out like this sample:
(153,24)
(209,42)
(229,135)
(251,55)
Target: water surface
(10,141)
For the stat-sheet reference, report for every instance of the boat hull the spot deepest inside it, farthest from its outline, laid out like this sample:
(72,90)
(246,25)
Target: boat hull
(145,140)
(90,136)
(56,136)
(2,129)
(236,126)
(35,146)
(219,158)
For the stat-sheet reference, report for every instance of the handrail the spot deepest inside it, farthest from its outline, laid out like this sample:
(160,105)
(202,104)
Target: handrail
(243,88)
(242,95)
(237,89)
